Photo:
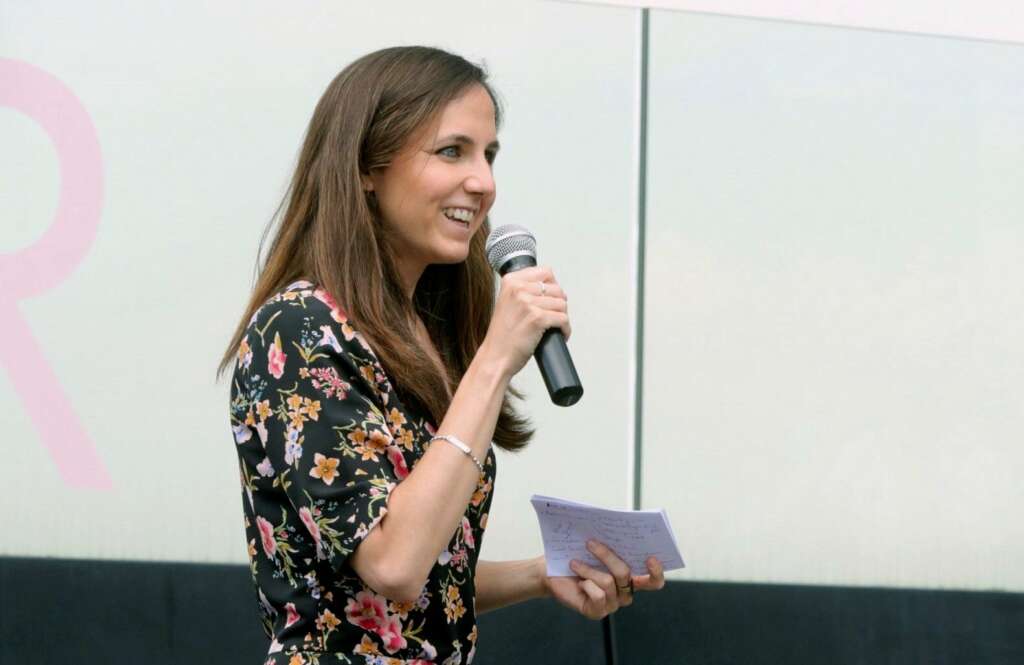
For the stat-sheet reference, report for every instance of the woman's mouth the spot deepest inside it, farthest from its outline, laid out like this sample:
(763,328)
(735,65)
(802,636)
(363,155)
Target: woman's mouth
(461,216)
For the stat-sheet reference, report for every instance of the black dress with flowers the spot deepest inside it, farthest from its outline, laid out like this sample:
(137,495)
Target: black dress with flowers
(322,439)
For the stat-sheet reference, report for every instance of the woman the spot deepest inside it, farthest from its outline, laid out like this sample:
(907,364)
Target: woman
(372,372)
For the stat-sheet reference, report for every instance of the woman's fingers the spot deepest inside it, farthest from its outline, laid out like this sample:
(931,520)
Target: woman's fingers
(601,580)
(598,605)
(529,302)
(654,580)
(618,568)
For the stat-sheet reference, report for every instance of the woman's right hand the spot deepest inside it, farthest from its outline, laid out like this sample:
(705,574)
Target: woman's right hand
(530,301)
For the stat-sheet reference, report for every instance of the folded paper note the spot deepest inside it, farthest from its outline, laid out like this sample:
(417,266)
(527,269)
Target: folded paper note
(634,535)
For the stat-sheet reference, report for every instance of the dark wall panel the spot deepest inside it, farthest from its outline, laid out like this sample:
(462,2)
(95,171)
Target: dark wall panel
(85,612)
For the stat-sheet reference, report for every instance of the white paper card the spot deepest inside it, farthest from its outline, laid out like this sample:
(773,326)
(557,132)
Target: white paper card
(634,535)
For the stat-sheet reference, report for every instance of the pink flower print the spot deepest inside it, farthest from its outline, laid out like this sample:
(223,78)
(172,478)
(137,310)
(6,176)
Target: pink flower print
(390,633)
(293,616)
(367,610)
(307,518)
(267,537)
(467,534)
(265,468)
(460,558)
(276,357)
(398,462)
(328,300)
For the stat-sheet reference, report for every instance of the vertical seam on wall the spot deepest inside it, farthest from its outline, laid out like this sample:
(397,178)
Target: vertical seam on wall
(641,224)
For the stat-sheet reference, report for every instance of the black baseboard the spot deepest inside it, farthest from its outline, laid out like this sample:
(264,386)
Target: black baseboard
(87,611)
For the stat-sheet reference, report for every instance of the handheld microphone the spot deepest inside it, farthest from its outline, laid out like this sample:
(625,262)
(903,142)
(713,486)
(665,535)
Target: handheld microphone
(511,248)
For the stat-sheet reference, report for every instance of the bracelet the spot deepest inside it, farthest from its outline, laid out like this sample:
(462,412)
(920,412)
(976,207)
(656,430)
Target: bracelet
(458,443)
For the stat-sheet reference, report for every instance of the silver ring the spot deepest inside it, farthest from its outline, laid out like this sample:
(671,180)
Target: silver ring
(543,288)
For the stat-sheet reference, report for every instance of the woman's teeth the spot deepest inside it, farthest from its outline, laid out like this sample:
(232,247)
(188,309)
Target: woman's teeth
(463,215)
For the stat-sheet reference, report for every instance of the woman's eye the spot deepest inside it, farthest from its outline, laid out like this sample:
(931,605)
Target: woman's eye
(450,151)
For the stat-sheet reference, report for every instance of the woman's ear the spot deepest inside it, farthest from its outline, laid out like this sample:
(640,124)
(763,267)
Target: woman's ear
(367,182)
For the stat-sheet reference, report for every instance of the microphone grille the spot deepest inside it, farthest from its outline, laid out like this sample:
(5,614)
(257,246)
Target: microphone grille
(507,241)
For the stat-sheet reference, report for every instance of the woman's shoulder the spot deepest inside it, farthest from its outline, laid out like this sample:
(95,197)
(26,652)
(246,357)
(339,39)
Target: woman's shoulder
(300,301)
(305,313)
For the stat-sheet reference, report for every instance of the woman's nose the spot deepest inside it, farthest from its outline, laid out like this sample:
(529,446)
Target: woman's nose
(481,179)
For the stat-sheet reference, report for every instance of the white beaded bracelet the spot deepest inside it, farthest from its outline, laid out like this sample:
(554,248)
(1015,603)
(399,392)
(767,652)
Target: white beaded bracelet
(458,443)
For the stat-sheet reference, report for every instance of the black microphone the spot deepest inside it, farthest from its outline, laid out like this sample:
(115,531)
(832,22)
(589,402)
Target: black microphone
(511,248)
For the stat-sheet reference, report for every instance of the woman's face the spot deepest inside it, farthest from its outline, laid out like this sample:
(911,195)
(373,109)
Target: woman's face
(434,195)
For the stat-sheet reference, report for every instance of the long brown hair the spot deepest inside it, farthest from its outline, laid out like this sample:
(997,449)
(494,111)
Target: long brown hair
(330,231)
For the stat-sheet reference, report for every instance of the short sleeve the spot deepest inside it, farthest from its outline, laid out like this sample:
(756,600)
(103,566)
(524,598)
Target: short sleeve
(316,401)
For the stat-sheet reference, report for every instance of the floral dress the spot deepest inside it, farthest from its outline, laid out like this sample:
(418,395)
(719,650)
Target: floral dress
(322,439)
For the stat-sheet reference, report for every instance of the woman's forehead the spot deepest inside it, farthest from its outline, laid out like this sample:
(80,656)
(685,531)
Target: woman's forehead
(471,115)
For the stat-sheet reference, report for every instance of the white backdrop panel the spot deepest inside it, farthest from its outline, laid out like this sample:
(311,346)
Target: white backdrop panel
(834,311)
(200,109)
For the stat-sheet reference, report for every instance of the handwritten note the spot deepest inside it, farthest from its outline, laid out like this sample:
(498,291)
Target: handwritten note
(634,535)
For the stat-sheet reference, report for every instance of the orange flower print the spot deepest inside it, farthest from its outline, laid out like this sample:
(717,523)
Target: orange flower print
(481,493)
(263,409)
(325,468)
(401,610)
(367,647)
(396,419)
(276,358)
(244,354)
(377,444)
(296,660)
(367,373)
(453,607)
(327,621)
(294,404)
(312,408)
(405,438)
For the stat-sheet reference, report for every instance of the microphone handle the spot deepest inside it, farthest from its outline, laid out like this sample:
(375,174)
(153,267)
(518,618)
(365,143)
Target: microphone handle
(557,368)
(552,353)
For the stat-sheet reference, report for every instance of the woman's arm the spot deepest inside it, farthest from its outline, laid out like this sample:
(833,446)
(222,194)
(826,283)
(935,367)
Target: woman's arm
(424,510)
(592,592)
(501,583)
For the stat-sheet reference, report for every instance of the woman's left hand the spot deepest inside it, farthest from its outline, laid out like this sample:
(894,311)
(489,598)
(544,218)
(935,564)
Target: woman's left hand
(596,593)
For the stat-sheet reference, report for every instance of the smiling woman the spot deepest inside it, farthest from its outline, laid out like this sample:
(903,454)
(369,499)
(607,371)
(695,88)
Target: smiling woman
(435,194)
(371,376)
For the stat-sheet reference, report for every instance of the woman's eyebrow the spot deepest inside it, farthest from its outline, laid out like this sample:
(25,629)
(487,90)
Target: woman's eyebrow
(463,139)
